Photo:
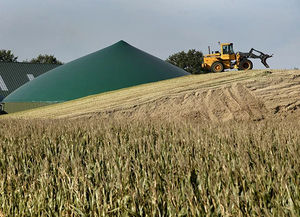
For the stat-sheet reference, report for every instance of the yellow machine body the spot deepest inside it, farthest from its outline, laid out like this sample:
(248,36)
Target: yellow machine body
(225,57)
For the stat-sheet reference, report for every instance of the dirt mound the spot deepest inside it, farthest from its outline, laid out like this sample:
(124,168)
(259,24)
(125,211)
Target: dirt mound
(252,95)
(269,96)
(232,102)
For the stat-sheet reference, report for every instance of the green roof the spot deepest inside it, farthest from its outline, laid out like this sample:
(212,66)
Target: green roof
(14,74)
(118,66)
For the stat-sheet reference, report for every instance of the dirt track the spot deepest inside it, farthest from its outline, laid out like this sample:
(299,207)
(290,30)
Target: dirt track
(253,95)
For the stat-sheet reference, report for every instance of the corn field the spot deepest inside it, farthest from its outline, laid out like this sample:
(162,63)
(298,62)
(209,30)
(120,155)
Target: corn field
(114,168)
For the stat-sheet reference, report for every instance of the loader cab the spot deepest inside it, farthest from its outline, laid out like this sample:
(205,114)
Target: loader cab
(227,48)
(227,51)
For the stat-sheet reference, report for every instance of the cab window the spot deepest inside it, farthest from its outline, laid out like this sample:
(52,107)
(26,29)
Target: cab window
(231,49)
(225,49)
(228,49)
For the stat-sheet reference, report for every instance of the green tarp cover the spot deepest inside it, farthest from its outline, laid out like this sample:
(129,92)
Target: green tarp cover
(118,66)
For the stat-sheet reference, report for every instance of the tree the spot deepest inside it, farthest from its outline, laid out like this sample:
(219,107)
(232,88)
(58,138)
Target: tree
(190,61)
(7,56)
(46,59)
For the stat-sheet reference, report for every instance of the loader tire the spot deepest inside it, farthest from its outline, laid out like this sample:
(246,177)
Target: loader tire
(217,67)
(246,65)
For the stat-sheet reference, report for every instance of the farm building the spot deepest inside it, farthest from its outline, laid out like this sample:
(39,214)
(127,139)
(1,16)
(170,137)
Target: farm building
(118,66)
(14,74)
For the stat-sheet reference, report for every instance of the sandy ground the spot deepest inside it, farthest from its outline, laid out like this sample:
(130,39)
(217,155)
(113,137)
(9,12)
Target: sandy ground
(249,95)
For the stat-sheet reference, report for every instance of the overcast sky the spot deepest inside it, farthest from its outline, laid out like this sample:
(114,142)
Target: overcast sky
(73,28)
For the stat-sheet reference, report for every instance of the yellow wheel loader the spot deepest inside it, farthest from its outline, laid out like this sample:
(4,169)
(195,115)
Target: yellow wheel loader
(227,59)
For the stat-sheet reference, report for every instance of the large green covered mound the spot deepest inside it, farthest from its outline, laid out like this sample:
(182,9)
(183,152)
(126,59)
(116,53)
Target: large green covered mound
(118,66)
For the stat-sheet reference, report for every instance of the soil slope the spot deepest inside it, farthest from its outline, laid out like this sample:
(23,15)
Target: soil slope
(238,95)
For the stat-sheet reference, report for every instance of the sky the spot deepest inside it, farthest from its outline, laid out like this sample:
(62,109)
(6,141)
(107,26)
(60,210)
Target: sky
(69,29)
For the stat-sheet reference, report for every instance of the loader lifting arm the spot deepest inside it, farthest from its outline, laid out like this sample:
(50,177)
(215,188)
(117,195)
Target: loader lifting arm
(262,56)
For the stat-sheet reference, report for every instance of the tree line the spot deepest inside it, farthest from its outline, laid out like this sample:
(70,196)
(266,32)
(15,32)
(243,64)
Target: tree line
(189,61)
(8,56)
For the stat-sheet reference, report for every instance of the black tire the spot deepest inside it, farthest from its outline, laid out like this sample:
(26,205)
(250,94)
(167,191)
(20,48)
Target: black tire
(3,112)
(217,67)
(245,65)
